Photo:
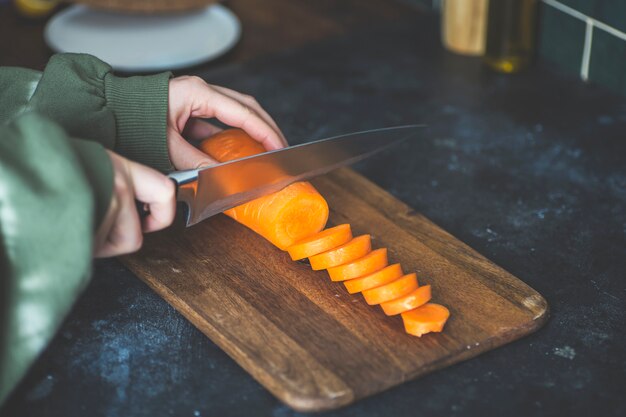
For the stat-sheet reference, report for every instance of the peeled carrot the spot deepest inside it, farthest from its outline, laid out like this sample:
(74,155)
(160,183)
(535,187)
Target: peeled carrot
(430,317)
(354,249)
(320,242)
(293,218)
(378,278)
(285,217)
(372,262)
(417,298)
(231,144)
(396,289)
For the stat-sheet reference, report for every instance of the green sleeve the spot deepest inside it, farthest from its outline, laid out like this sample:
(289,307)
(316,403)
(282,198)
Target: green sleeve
(52,191)
(80,93)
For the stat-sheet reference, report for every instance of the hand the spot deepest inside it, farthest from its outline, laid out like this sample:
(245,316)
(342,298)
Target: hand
(191,98)
(121,230)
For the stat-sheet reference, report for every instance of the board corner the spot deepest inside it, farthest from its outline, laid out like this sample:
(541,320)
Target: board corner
(318,402)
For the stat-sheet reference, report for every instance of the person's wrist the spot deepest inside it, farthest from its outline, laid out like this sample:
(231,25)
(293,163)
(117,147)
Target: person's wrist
(140,106)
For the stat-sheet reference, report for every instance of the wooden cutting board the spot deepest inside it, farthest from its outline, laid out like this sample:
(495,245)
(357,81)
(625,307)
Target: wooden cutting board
(308,341)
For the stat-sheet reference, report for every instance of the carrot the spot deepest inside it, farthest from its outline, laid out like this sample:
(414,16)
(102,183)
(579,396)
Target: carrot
(285,217)
(354,249)
(231,144)
(372,262)
(378,278)
(396,289)
(321,242)
(293,219)
(430,317)
(417,298)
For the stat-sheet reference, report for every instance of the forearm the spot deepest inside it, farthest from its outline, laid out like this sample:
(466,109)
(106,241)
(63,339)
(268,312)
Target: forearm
(54,189)
(81,93)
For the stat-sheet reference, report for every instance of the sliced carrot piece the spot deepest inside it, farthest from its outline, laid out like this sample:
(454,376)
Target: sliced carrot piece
(372,262)
(354,249)
(428,318)
(321,242)
(298,213)
(285,217)
(378,278)
(414,299)
(396,289)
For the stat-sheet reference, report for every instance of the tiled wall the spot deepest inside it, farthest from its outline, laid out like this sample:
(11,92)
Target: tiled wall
(586,38)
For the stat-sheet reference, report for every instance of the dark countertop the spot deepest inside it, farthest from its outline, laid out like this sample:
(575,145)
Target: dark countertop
(529,170)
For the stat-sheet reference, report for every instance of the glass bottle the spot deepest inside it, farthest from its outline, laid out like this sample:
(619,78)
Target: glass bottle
(511,28)
(463,26)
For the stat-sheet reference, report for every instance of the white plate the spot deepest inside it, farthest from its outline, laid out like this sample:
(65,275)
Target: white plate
(144,42)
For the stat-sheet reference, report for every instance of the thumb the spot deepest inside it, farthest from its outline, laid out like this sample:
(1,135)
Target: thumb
(184,155)
(157,191)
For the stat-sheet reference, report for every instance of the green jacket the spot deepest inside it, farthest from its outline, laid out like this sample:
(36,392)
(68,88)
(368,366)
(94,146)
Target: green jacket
(56,184)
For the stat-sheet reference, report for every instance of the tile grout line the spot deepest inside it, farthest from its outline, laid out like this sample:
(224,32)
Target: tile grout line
(610,29)
(584,65)
(566,9)
(581,16)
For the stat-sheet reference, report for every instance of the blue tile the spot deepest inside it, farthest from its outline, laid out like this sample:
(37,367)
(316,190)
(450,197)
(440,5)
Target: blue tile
(561,39)
(607,65)
(583,6)
(611,12)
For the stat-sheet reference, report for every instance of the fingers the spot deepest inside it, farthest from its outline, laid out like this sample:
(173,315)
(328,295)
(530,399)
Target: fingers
(100,244)
(157,191)
(121,230)
(198,129)
(236,114)
(124,234)
(209,101)
(184,155)
(254,105)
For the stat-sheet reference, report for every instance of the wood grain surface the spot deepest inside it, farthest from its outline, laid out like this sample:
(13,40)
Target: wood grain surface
(308,341)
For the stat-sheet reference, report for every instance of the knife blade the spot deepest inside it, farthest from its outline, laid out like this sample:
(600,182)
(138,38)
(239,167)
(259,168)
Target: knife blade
(211,190)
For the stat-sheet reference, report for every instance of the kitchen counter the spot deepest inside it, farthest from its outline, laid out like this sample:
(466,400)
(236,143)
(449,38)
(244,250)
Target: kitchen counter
(529,170)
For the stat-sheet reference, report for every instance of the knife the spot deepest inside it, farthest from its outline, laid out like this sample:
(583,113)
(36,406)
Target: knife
(211,190)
